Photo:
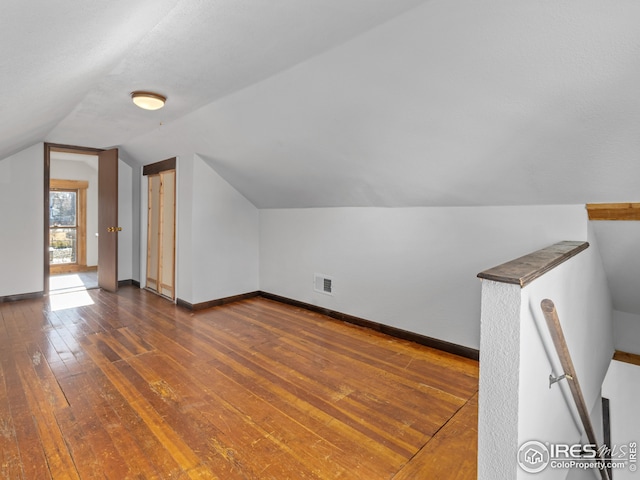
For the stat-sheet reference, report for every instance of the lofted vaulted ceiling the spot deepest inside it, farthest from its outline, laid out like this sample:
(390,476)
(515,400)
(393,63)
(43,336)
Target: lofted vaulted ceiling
(69,66)
(341,102)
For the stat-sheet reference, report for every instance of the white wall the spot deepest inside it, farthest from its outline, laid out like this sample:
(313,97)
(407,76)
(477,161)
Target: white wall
(498,403)
(622,388)
(83,170)
(626,332)
(184,231)
(22,247)
(225,241)
(619,246)
(125,220)
(411,268)
(579,290)
(136,172)
(21,217)
(618,240)
(224,237)
(136,204)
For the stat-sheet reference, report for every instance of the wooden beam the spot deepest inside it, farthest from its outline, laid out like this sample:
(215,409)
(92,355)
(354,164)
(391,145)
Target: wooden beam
(163,166)
(56,147)
(631,358)
(613,211)
(59,184)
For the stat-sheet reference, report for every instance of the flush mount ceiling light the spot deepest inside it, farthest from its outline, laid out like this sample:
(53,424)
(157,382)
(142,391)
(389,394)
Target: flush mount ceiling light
(148,100)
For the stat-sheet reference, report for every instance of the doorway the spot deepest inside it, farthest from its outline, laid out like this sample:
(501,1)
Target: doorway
(73,198)
(73,259)
(161,227)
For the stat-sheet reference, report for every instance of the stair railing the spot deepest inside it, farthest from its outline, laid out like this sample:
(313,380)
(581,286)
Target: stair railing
(560,343)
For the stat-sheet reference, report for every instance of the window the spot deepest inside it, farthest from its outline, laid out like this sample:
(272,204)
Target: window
(67,224)
(63,226)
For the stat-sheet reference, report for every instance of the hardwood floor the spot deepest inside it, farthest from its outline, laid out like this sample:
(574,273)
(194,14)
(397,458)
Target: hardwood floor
(130,386)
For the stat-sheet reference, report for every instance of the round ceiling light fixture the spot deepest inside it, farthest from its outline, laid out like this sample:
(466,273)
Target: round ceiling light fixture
(148,100)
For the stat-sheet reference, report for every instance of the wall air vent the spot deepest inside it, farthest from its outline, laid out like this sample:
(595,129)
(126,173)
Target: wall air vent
(323,283)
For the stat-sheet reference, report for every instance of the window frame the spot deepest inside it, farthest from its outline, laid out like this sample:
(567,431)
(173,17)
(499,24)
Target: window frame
(80,187)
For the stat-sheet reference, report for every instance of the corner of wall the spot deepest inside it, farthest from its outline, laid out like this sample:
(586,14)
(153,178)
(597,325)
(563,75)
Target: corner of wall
(22,249)
(499,380)
(626,332)
(184,260)
(222,228)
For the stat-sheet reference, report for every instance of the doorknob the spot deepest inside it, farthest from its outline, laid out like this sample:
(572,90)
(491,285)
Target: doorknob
(114,229)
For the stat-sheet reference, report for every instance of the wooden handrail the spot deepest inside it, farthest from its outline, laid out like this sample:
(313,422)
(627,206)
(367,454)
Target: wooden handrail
(559,341)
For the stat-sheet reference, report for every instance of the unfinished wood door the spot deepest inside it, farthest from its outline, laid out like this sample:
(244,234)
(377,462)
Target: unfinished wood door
(108,220)
(161,233)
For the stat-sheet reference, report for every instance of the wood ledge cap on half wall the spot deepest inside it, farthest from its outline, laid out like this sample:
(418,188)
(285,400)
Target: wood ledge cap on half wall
(526,269)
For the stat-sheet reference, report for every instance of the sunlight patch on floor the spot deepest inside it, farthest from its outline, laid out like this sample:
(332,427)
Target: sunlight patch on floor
(66,282)
(63,301)
(72,282)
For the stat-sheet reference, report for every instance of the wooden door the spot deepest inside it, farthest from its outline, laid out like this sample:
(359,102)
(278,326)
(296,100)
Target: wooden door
(108,220)
(161,233)
(168,234)
(153,233)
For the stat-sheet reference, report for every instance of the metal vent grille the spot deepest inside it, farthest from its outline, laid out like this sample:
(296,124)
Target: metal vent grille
(323,283)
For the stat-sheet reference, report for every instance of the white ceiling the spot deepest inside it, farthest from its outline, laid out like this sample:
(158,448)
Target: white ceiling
(455,102)
(69,66)
(342,102)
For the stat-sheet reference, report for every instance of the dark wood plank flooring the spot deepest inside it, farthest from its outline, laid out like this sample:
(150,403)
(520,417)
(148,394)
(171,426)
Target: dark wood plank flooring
(130,386)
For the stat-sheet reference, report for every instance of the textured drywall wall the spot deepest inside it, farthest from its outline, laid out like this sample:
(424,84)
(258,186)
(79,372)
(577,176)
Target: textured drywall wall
(619,242)
(626,332)
(411,268)
(225,238)
(184,227)
(499,381)
(125,220)
(21,217)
